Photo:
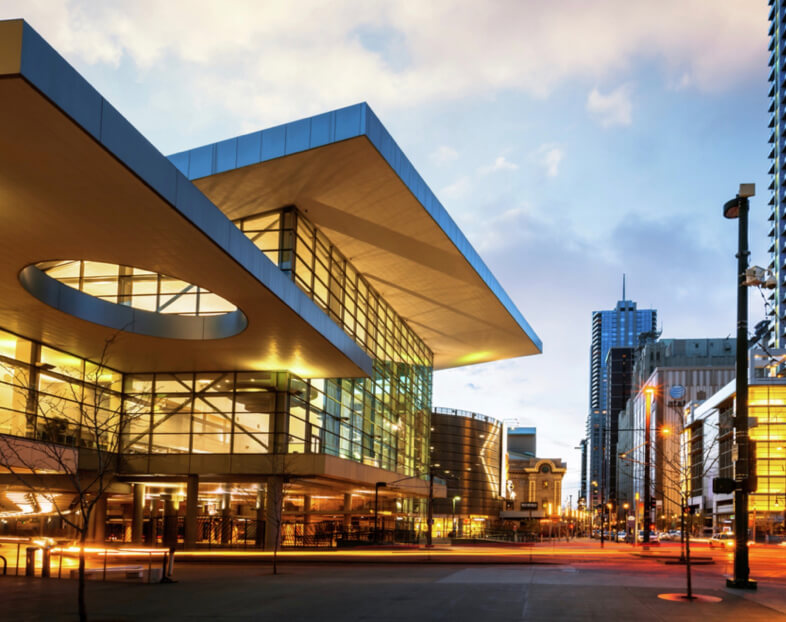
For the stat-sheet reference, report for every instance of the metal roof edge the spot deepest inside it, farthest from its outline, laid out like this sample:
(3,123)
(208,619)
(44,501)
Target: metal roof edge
(51,75)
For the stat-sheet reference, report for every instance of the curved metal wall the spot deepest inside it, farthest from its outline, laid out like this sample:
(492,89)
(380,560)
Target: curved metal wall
(469,447)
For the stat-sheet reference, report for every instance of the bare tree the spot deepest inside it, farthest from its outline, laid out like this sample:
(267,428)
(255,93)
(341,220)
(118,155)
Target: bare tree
(677,475)
(67,452)
(274,498)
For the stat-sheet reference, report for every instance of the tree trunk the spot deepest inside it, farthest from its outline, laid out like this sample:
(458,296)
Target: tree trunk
(275,550)
(81,588)
(687,565)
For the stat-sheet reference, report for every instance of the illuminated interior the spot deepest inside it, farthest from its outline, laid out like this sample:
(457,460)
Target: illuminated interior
(136,288)
(767,407)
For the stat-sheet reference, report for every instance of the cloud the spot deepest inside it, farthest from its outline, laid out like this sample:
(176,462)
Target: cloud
(550,156)
(500,164)
(443,155)
(612,109)
(538,254)
(264,62)
(457,189)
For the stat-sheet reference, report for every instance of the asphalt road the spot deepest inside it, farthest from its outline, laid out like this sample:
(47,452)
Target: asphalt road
(566,581)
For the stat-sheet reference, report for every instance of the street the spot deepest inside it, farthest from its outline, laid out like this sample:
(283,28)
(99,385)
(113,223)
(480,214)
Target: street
(556,581)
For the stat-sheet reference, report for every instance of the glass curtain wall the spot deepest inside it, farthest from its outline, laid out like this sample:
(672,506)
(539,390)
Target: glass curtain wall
(50,395)
(265,412)
(767,406)
(302,251)
(382,420)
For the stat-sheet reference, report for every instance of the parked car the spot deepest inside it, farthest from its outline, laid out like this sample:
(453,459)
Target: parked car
(673,535)
(653,536)
(622,536)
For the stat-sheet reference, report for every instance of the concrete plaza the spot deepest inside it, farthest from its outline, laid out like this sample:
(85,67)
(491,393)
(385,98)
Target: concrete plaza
(609,587)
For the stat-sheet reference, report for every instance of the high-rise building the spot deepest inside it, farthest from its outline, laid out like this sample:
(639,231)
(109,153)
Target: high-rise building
(619,364)
(778,157)
(680,372)
(618,327)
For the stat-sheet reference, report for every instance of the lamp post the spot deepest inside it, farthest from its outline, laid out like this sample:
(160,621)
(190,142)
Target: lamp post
(377,486)
(738,208)
(648,392)
(625,507)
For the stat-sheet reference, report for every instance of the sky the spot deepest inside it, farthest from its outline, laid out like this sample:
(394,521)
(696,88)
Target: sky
(571,141)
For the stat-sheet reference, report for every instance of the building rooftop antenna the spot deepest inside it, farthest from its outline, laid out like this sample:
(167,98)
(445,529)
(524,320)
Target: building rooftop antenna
(623,286)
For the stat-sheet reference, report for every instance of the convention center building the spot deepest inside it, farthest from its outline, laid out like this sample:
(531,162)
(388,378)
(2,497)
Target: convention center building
(236,335)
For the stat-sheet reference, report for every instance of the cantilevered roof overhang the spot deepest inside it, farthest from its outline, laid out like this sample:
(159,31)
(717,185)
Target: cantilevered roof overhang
(346,173)
(77,181)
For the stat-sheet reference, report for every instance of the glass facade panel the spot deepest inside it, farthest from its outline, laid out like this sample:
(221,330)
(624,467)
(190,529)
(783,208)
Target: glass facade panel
(14,348)
(136,288)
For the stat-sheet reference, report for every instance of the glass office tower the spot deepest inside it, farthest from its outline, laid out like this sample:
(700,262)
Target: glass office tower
(616,328)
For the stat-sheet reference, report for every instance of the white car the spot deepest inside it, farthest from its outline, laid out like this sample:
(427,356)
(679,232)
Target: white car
(723,540)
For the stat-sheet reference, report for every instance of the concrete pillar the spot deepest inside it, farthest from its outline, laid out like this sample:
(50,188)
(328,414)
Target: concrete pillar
(170,521)
(260,516)
(307,520)
(273,510)
(138,517)
(192,507)
(226,519)
(347,511)
(154,522)
(97,529)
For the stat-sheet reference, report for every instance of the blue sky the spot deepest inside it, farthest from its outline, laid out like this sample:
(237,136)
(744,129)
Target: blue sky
(571,141)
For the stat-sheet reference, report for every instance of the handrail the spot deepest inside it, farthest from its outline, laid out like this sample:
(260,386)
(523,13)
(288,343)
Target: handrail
(439,410)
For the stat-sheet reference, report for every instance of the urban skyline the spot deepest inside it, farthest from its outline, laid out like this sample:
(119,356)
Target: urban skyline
(286,288)
(522,182)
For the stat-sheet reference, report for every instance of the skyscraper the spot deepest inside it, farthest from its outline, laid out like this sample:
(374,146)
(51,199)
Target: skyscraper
(778,157)
(616,328)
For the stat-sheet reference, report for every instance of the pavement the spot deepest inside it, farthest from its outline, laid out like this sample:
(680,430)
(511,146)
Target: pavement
(567,581)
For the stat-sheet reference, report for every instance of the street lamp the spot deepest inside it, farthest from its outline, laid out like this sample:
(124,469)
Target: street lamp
(738,208)
(648,393)
(456,498)
(625,507)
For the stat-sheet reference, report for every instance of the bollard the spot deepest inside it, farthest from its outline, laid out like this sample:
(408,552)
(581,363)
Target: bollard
(30,561)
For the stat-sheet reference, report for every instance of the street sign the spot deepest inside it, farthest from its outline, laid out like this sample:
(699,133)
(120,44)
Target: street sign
(528,505)
(723,485)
